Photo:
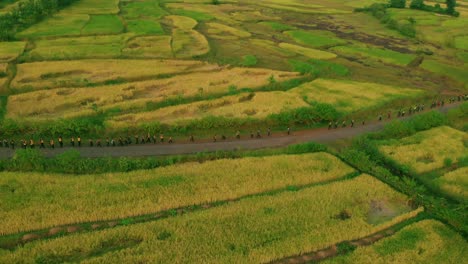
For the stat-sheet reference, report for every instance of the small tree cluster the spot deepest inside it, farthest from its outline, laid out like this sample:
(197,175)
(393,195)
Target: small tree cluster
(26,14)
(397,3)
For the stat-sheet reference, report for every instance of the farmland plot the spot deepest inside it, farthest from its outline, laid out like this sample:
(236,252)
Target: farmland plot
(72,102)
(69,200)
(255,230)
(428,241)
(40,75)
(427,150)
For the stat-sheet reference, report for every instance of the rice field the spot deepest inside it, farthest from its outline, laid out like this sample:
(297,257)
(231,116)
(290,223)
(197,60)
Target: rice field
(384,55)
(187,44)
(255,105)
(73,199)
(454,71)
(103,24)
(349,96)
(39,75)
(454,183)
(3,67)
(57,25)
(427,241)
(11,50)
(73,102)
(255,230)
(310,53)
(221,31)
(345,96)
(149,47)
(315,39)
(427,150)
(79,48)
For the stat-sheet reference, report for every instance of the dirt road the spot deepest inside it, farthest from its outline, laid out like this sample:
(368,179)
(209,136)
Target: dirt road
(322,135)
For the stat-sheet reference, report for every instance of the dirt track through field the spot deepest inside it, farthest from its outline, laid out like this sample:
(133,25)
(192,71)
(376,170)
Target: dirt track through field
(322,135)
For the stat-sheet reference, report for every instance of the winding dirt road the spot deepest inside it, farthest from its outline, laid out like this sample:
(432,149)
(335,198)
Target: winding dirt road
(322,135)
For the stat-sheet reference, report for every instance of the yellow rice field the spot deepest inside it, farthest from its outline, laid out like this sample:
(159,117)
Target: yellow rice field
(455,183)
(80,47)
(348,96)
(3,67)
(255,230)
(221,31)
(189,43)
(11,50)
(427,150)
(81,72)
(308,52)
(260,105)
(72,102)
(428,241)
(149,47)
(64,199)
(181,22)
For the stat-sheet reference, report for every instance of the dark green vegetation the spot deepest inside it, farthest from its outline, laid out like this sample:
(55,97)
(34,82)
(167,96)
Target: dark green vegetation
(28,13)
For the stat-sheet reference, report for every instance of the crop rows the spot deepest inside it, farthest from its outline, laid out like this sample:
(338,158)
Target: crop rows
(67,200)
(254,230)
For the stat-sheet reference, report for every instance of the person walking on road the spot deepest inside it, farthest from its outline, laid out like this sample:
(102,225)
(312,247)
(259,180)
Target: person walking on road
(79,141)
(52,144)
(60,140)
(238,134)
(12,144)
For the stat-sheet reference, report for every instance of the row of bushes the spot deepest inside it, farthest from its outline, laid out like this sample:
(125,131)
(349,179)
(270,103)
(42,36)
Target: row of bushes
(450,10)
(28,13)
(70,162)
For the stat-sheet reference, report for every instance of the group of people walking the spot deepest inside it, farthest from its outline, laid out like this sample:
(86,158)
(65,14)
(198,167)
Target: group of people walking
(159,138)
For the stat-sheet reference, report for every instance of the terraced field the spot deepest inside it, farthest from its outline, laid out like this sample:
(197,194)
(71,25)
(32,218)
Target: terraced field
(416,243)
(103,56)
(258,229)
(119,68)
(438,156)
(104,197)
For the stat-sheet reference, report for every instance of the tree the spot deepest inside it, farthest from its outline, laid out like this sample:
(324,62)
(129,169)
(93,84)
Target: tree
(398,3)
(451,6)
(417,4)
